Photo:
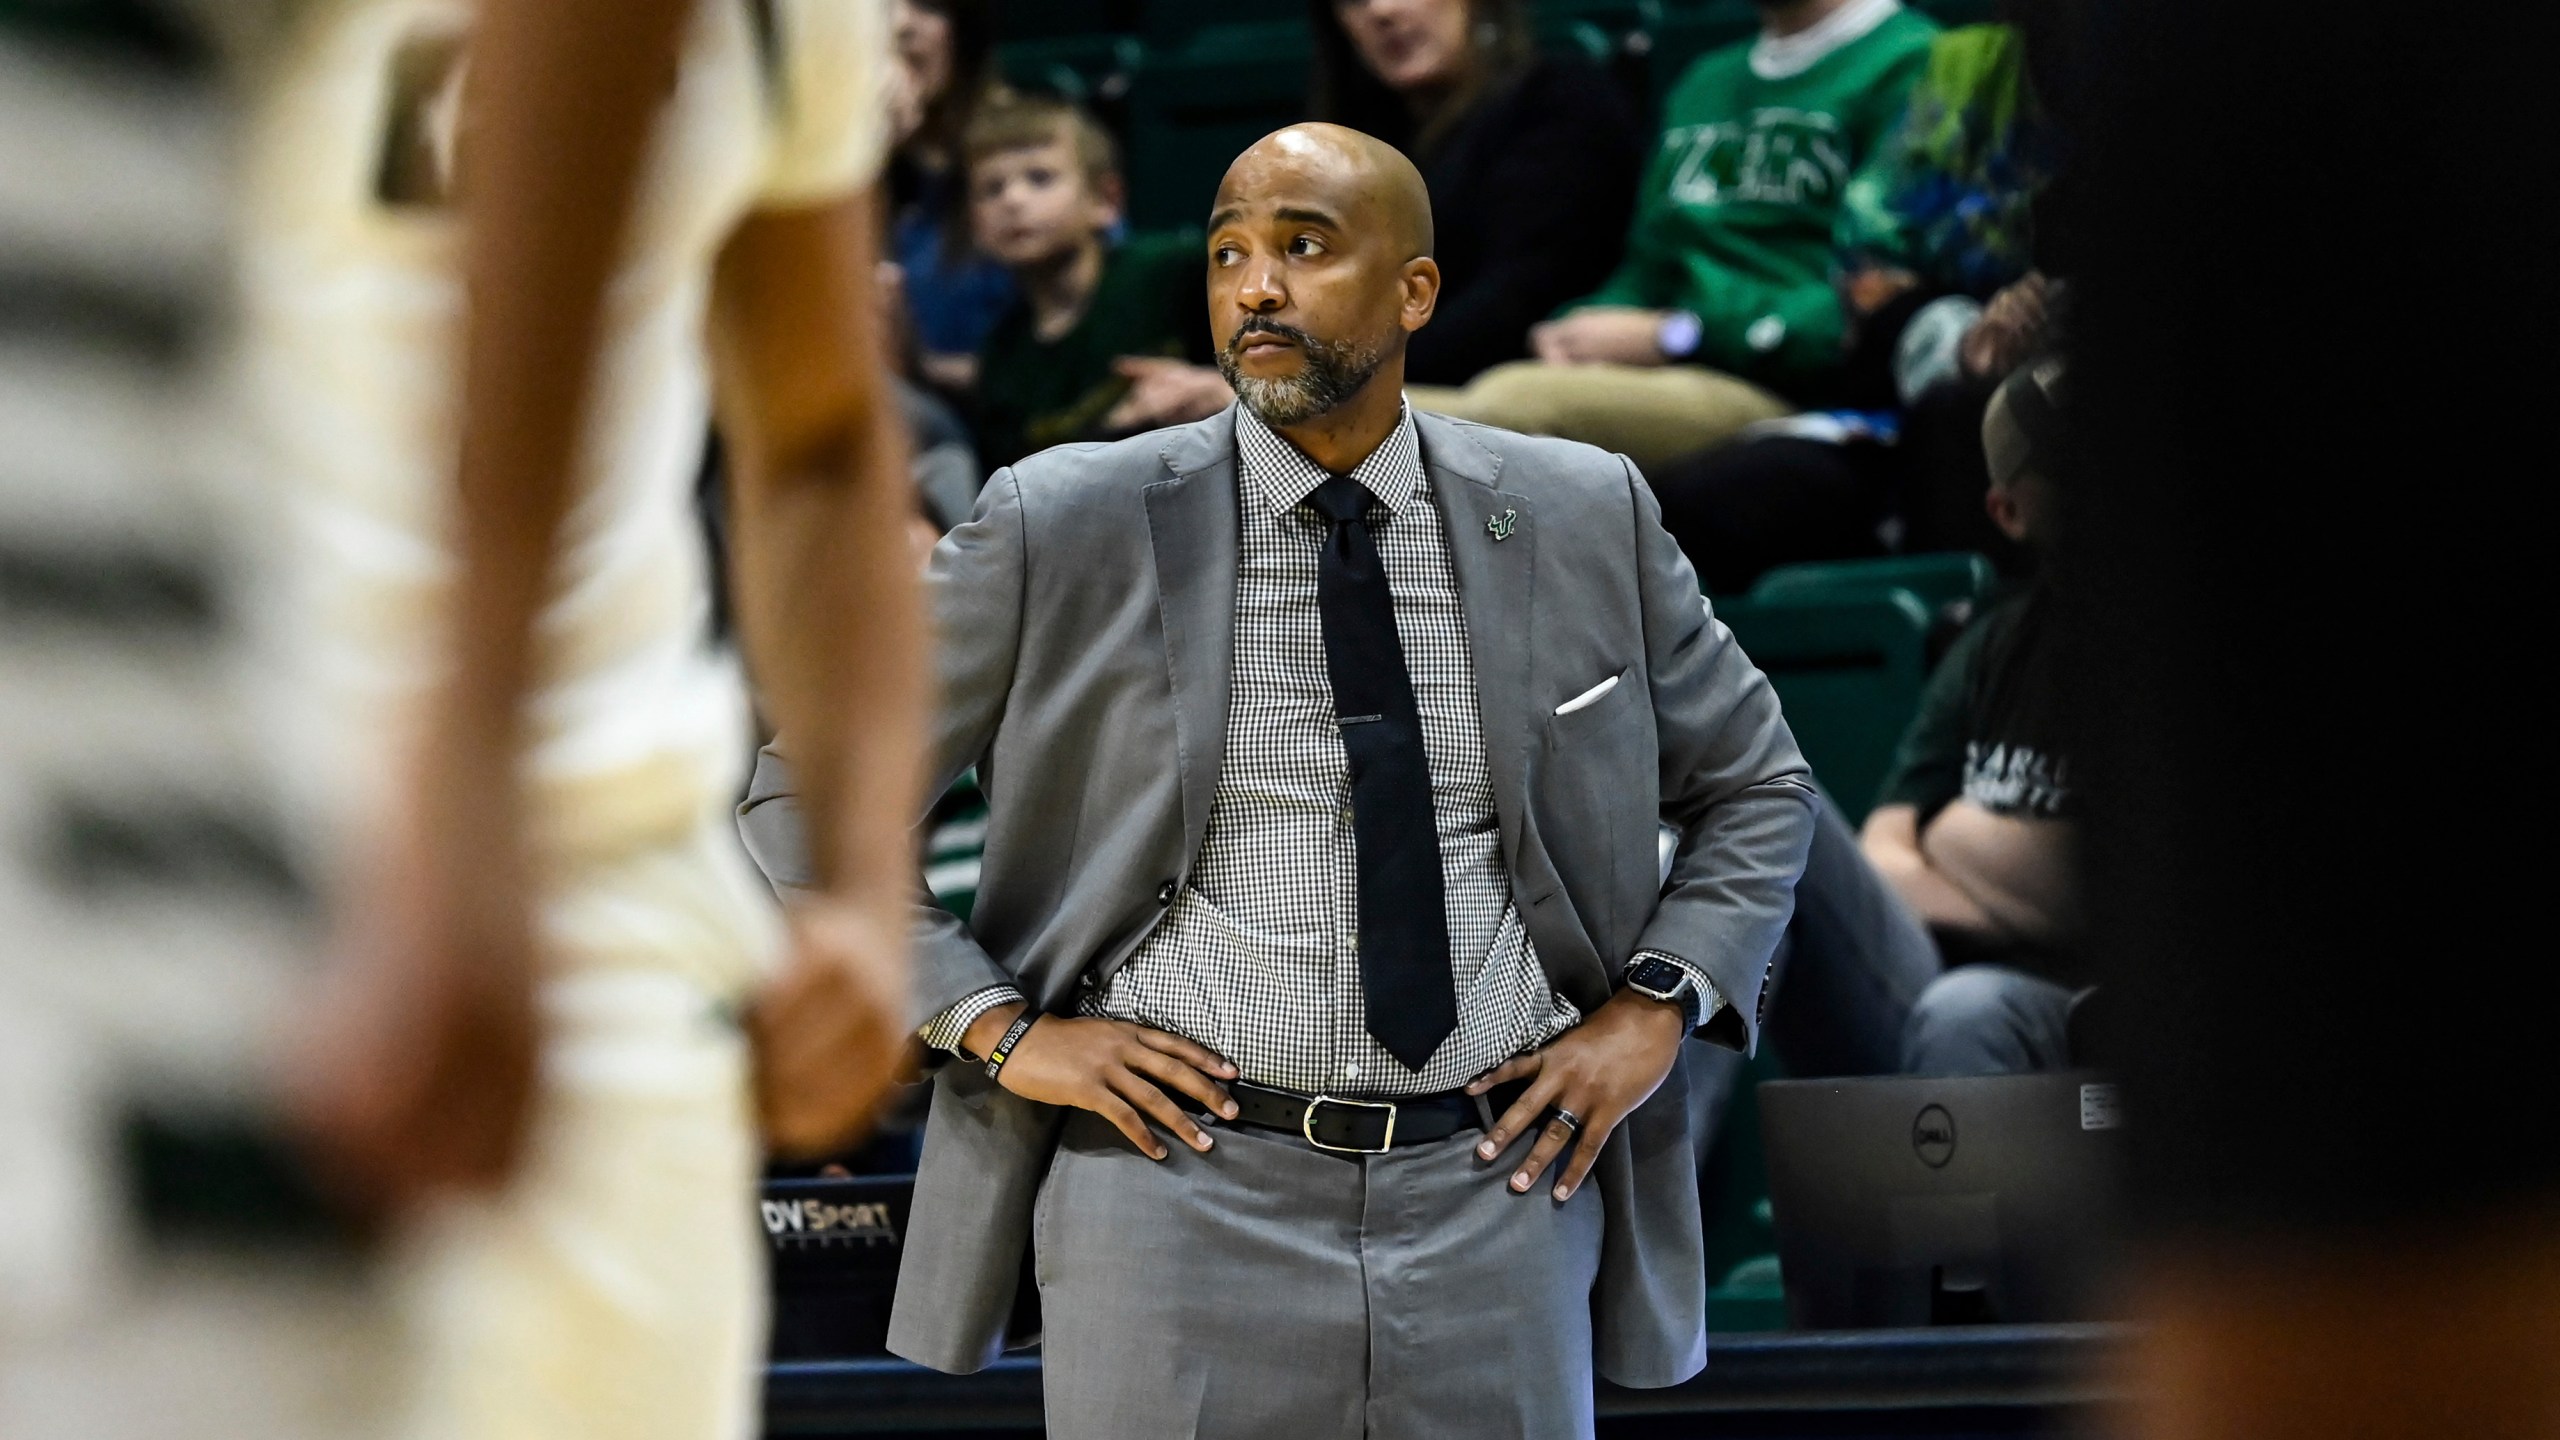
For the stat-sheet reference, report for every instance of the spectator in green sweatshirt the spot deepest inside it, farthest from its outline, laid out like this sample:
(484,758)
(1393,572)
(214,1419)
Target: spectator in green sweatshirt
(1723,311)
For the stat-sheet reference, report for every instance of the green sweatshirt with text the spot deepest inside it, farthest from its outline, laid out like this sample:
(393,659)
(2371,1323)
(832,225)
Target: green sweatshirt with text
(1735,218)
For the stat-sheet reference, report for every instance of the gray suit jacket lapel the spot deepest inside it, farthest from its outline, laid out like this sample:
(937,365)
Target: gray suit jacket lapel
(1192,522)
(1496,587)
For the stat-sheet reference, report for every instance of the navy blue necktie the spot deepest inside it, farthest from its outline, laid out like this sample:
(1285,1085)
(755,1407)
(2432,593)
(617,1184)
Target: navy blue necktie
(1404,925)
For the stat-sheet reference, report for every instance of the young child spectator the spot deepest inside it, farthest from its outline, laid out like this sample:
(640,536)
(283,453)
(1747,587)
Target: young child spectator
(1722,312)
(1044,198)
(1974,829)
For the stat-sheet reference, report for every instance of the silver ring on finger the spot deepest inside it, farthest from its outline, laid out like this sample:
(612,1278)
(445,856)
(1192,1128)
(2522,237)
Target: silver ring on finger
(1569,1120)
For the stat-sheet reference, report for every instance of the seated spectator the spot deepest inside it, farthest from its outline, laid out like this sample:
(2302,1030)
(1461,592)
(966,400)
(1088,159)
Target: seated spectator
(1963,862)
(1532,162)
(1974,830)
(1044,199)
(953,293)
(1722,312)
(1842,987)
(1957,210)
(1457,86)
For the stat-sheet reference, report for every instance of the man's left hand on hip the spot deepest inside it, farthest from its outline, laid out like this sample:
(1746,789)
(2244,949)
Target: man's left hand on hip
(1597,1073)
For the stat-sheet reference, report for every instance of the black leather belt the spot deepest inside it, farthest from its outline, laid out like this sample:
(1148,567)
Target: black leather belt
(1353,1125)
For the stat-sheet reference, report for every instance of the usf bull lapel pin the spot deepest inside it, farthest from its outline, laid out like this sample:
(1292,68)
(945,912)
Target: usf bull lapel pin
(1501,526)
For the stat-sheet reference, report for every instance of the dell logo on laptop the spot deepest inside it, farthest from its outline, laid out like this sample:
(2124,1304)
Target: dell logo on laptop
(1933,1136)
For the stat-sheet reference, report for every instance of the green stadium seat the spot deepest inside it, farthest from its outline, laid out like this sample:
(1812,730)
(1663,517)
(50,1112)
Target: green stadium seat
(1733,1199)
(1622,22)
(1751,1296)
(955,841)
(1174,23)
(1017,20)
(1939,580)
(1615,35)
(1848,671)
(1092,70)
(1578,38)
(1287,41)
(1193,111)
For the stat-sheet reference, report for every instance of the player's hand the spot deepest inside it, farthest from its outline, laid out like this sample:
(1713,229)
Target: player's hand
(1601,335)
(1166,392)
(1113,1068)
(414,1072)
(1600,1070)
(829,1033)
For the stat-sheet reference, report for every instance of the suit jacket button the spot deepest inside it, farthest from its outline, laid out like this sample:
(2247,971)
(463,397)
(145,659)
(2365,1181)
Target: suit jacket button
(1164,893)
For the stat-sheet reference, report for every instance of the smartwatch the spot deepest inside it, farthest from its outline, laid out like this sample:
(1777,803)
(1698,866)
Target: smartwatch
(1678,335)
(1658,979)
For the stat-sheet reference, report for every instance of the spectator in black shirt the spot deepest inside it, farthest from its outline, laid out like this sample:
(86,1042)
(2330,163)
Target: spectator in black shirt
(1974,828)
(1532,160)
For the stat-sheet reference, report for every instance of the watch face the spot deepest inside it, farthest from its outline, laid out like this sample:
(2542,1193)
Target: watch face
(1678,335)
(1655,978)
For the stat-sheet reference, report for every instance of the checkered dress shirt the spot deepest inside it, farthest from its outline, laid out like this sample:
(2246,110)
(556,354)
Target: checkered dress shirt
(1258,956)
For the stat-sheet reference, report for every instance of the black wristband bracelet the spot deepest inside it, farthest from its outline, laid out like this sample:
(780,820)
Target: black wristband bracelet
(1012,1037)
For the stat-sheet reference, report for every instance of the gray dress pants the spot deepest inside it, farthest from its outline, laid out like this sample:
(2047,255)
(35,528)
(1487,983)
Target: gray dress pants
(1269,1291)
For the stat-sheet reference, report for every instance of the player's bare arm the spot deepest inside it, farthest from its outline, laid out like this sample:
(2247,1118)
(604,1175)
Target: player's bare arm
(828,606)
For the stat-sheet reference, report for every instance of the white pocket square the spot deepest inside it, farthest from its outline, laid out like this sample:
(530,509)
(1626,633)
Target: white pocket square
(1588,697)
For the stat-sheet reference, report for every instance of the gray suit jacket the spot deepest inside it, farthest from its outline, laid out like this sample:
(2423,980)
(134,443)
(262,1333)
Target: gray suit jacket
(1085,618)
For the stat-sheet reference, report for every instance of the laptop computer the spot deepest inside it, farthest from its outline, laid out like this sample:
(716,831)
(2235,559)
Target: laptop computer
(835,1246)
(1904,1200)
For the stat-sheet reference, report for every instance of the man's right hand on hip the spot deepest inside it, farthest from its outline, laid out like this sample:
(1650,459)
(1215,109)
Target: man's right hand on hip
(1117,1070)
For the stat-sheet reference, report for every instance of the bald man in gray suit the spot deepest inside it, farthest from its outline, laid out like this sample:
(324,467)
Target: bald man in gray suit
(1322,950)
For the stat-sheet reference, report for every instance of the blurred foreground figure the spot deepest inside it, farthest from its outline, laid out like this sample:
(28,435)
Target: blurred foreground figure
(556,937)
(2299,588)
(164,1269)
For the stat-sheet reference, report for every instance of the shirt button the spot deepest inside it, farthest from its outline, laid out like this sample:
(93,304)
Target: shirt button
(1164,893)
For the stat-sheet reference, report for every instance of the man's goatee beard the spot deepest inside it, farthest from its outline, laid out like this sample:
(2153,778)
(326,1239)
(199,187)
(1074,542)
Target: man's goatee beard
(1335,371)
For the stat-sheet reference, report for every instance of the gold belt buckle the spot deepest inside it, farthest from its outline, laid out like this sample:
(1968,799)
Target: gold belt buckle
(1307,1124)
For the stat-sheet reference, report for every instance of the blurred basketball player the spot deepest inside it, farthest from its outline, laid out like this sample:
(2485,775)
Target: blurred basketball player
(161,1269)
(559,956)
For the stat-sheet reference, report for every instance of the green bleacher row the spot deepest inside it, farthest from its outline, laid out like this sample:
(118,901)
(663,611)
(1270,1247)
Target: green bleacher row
(1189,84)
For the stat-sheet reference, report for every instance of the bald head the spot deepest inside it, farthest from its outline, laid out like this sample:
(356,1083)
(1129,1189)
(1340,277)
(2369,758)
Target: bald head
(1372,187)
(1319,267)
